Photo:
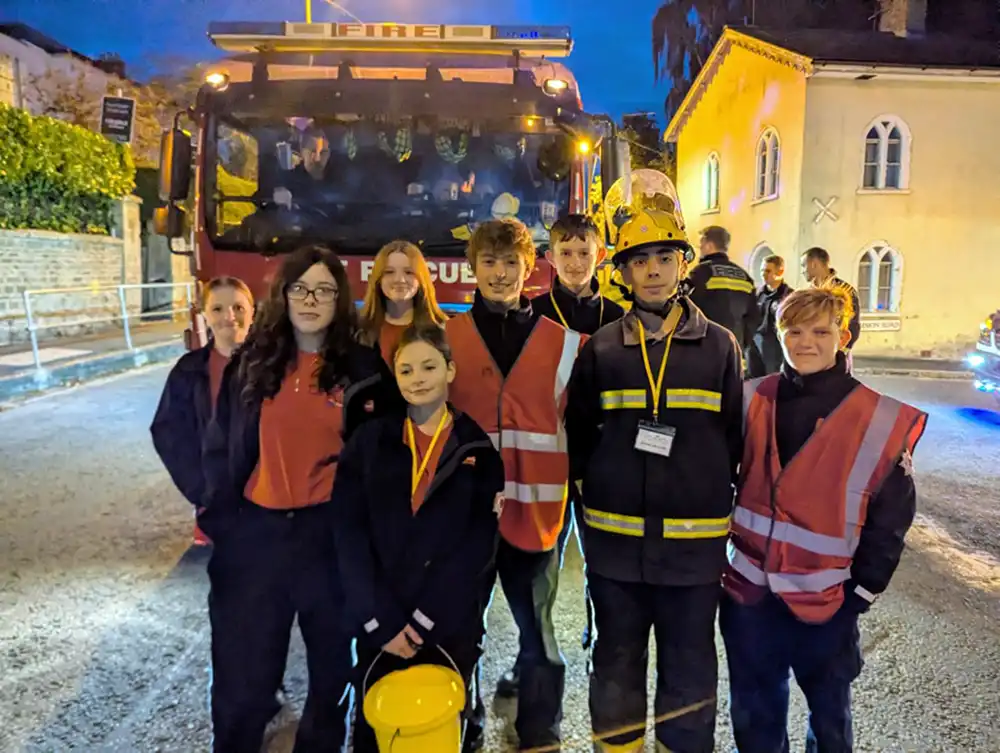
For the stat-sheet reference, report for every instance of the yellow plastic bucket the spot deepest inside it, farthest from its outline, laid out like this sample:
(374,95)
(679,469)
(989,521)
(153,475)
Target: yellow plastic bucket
(417,710)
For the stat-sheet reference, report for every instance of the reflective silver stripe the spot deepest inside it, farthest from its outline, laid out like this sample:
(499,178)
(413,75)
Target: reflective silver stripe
(626,525)
(865,594)
(695,529)
(739,562)
(790,533)
(869,453)
(571,346)
(701,399)
(749,390)
(371,626)
(423,620)
(529,494)
(526,440)
(814,582)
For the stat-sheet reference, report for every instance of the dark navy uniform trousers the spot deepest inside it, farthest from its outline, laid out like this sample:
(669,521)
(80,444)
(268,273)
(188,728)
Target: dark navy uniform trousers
(765,643)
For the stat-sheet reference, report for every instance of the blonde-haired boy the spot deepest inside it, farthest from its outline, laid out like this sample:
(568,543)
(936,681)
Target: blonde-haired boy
(809,555)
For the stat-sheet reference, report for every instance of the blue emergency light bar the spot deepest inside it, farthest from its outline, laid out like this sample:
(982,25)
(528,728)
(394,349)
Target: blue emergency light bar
(291,36)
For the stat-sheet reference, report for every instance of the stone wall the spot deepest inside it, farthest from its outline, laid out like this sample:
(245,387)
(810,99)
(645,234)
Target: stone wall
(34,260)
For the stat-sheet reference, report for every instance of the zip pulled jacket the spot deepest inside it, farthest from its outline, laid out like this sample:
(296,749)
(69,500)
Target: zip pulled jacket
(181,419)
(677,507)
(584,314)
(764,355)
(427,569)
(231,448)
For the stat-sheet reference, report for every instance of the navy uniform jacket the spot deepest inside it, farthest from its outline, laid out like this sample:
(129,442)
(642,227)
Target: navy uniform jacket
(429,569)
(181,419)
(609,395)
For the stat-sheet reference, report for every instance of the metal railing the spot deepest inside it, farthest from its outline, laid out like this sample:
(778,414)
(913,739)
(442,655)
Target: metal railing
(32,314)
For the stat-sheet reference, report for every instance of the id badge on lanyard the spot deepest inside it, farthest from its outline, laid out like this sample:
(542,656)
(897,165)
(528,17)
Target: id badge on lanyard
(653,437)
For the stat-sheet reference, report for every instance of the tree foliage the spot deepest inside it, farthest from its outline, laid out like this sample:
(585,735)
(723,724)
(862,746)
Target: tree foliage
(685,31)
(647,147)
(57,176)
(73,94)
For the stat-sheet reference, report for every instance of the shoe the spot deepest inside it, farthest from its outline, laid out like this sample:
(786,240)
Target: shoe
(474,740)
(507,685)
(200,539)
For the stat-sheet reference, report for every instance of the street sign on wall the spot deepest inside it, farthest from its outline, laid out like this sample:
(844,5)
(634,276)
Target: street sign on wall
(118,118)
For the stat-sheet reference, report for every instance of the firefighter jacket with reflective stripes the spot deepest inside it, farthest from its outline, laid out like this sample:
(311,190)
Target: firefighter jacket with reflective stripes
(723,290)
(523,414)
(796,528)
(650,518)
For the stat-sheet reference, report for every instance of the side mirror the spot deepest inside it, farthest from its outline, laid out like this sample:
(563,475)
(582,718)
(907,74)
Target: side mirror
(175,165)
(616,162)
(555,159)
(168,221)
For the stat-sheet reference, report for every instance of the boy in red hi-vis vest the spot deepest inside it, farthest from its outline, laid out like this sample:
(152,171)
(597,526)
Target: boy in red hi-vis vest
(825,499)
(512,373)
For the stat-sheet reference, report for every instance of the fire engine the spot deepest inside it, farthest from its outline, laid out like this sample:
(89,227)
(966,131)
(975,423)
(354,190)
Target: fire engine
(985,361)
(356,134)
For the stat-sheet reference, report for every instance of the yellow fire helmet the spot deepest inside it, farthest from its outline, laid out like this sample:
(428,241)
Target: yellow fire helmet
(651,227)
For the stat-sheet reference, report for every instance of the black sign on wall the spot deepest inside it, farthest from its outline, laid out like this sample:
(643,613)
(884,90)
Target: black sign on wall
(117,118)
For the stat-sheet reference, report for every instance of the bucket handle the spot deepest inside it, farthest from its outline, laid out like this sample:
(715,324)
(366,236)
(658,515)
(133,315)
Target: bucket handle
(364,683)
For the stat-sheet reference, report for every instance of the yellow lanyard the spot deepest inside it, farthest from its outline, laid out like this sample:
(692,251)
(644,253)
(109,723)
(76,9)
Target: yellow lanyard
(418,473)
(657,386)
(600,316)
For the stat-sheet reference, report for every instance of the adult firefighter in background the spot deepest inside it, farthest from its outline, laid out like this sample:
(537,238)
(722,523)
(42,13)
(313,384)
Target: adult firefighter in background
(826,497)
(654,427)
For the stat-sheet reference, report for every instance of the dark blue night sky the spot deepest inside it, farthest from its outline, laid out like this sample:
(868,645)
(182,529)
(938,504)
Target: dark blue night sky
(615,68)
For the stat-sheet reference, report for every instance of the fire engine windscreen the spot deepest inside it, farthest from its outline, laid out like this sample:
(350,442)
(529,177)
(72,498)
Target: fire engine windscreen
(357,183)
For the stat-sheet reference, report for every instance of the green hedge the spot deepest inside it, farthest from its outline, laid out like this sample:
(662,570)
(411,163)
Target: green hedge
(56,176)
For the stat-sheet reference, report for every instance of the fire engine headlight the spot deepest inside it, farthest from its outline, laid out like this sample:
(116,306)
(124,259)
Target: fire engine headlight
(217,80)
(583,146)
(974,360)
(555,86)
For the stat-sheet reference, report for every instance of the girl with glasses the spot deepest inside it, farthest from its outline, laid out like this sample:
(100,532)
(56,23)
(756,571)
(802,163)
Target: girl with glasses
(298,388)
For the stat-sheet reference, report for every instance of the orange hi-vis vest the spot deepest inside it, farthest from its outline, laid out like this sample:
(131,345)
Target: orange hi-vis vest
(795,529)
(523,414)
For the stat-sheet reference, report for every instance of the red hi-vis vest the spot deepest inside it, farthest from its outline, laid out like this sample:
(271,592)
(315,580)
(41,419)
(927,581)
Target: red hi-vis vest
(795,529)
(523,414)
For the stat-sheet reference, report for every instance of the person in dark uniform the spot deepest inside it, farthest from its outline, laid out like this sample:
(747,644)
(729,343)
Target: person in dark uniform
(821,275)
(417,498)
(300,384)
(575,300)
(722,289)
(653,421)
(764,354)
(188,400)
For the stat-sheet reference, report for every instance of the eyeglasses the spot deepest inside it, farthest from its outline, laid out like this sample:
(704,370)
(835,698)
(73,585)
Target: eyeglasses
(321,294)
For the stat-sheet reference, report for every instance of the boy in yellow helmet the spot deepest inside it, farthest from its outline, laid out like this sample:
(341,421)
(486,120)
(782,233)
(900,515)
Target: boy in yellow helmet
(654,427)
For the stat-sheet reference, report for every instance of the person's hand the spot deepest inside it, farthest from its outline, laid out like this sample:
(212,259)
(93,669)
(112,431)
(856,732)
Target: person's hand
(283,197)
(400,646)
(413,638)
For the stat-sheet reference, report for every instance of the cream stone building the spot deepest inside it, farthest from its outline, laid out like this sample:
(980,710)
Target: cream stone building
(881,147)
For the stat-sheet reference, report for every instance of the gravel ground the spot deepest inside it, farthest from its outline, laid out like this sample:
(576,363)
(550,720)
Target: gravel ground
(103,635)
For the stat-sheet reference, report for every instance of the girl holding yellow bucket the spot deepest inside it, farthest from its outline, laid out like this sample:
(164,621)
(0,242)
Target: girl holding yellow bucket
(418,498)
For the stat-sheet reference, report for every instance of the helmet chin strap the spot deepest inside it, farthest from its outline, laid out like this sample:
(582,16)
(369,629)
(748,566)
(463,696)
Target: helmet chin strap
(660,309)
